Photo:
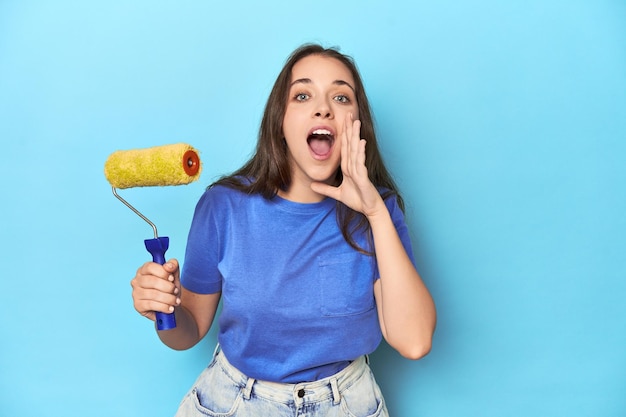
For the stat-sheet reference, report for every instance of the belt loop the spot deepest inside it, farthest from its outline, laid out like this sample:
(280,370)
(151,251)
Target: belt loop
(217,350)
(247,390)
(335,388)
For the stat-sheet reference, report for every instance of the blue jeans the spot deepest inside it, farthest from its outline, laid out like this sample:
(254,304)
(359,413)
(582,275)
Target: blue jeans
(223,391)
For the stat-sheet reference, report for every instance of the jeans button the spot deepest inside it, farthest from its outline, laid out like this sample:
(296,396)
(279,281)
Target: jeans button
(301,393)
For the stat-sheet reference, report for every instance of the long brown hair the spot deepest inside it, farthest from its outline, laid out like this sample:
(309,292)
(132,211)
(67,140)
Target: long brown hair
(269,171)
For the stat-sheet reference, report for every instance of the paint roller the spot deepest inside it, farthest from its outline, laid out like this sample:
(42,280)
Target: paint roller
(176,164)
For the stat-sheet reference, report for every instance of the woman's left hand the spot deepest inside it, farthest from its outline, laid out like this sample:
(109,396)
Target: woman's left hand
(356,190)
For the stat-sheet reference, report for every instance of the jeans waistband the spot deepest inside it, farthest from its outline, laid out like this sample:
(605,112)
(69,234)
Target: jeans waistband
(320,390)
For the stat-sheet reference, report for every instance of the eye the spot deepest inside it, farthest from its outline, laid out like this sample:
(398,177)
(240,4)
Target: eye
(301,97)
(341,98)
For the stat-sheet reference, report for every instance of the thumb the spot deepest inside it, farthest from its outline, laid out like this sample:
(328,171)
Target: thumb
(325,189)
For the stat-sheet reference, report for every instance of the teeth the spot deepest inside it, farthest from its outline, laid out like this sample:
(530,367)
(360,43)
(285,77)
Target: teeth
(321,132)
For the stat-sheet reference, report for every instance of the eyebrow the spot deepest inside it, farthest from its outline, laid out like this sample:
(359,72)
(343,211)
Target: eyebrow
(309,81)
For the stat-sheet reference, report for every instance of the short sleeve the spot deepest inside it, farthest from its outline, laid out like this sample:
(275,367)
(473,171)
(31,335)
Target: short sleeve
(200,272)
(399,221)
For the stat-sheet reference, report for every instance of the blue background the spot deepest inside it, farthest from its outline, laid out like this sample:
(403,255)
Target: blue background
(504,123)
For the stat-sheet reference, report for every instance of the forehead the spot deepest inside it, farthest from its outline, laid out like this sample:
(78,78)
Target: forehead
(321,69)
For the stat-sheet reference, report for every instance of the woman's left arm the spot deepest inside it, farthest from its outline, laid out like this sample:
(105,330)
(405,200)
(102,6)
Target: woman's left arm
(406,310)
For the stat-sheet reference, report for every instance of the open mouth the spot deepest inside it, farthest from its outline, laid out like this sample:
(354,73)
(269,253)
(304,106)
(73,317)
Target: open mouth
(321,142)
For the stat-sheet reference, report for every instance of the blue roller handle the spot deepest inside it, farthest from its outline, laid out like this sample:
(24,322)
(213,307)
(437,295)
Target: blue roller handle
(157,247)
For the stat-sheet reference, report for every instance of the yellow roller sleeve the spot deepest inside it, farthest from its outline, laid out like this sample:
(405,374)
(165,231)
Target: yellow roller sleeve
(157,166)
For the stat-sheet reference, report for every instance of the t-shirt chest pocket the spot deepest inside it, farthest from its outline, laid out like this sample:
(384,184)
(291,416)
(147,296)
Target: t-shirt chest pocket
(346,284)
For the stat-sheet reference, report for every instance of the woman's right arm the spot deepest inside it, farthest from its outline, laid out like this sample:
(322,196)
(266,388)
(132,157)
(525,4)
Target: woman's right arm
(157,288)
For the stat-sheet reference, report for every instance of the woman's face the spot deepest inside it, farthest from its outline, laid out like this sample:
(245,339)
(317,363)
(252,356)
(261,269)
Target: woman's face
(321,96)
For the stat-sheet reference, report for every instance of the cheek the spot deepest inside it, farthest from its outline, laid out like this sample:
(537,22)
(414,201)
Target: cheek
(290,123)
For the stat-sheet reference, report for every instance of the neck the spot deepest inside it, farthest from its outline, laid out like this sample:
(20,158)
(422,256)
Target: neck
(301,194)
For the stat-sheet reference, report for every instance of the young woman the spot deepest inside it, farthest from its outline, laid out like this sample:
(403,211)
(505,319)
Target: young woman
(307,247)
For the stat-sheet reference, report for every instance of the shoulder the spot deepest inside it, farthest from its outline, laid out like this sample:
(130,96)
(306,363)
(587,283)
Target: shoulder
(223,196)
(220,196)
(217,204)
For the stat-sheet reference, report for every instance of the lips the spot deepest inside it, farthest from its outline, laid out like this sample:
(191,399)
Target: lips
(321,142)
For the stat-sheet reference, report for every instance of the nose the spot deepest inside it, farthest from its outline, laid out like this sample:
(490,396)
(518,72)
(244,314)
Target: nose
(324,110)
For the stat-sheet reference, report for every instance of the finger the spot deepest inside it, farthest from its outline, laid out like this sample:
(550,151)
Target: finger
(355,147)
(146,300)
(345,149)
(151,282)
(146,286)
(147,307)
(361,156)
(155,269)
(169,271)
(171,266)
(150,315)
(347,125)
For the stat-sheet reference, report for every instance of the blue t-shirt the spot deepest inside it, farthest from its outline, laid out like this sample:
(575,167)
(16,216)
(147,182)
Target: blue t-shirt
(297,300)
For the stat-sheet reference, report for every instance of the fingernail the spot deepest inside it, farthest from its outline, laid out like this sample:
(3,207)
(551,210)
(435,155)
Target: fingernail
(171,308)
(178,301)
(170,278)
(176,290)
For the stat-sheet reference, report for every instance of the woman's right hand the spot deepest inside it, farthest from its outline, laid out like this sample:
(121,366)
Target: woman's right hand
(156,288)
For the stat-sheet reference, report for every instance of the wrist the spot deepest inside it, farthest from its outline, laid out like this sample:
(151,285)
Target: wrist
(378,212)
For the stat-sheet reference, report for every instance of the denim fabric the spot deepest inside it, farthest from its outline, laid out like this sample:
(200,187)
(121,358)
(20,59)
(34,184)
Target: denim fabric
(222,391)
